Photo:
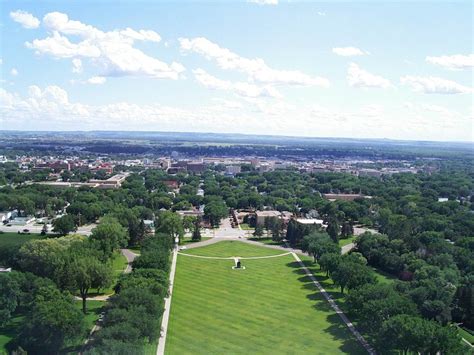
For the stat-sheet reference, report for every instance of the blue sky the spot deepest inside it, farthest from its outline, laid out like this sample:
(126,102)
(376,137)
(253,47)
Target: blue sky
(401,70)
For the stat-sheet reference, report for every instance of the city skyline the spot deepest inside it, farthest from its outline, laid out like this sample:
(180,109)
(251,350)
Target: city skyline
(356,70)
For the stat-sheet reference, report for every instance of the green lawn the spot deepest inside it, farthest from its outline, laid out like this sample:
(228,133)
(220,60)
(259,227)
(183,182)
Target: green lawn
(190,241)
(346,241)
(246,227)
(266,241)
(9,332)
(466,335)
(271,307)
(9,239)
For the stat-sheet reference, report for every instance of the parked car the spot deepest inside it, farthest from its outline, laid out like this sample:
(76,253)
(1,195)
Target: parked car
(26,230)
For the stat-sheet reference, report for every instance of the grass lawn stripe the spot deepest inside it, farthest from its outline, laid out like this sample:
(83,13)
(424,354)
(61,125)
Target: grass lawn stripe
(270,307)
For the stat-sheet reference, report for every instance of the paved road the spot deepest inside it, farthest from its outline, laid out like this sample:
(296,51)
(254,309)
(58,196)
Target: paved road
(36,228)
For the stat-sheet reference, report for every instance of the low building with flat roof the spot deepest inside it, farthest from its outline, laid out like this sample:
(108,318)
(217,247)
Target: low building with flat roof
(260,216)
(309,221)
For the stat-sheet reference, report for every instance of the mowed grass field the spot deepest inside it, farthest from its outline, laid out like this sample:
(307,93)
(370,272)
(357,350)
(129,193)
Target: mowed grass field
(271,307)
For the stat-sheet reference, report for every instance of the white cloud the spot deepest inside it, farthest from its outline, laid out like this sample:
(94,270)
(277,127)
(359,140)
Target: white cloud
(264,2)
(240,88)
(14,72)
(51,108)
(256,69)
(453,62)
(97,80)
(434,85)
(76,66)
(25,19)
(112,52)
(349,51)
(360,78)
(321,13)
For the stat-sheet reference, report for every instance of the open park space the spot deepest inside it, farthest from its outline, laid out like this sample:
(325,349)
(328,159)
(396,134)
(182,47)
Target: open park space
(271,306)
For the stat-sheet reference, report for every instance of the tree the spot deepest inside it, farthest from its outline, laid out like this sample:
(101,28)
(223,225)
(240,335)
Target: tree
(333,229)
(347,230)
(9,294)
(317,244)
(410,333)
(44,257)
(352,275)
(85,273)
(196,230)
(44,230)
(329,262)
(171,224)
(215,210)
(374,304)
(53,319)
(64,225)
(109,236)
(188,222)
(258,232)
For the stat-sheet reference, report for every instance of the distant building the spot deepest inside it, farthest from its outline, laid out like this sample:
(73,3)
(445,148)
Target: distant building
(232,170)
(196,167)
(310,221)
(2,269)
(261,216)
(193,213)
(149,226)
(370,173)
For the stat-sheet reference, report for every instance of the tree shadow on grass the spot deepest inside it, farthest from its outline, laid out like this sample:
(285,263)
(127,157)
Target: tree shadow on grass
(336,329)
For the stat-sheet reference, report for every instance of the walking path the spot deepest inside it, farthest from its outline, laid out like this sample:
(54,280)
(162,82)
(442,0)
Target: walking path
(233,257)
(336,308)
(166,314)
(130,256)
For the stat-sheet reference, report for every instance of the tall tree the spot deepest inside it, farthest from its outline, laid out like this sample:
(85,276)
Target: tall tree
(109,236)
(85,273)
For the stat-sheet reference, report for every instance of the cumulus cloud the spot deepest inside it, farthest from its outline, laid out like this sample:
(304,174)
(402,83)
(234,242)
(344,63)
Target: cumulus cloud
(360,78)
(256,69)
(264,2)
(113,52)
(240,88)
(97,80)
(349,51)
(25,19)
(14,72)
(453,62)
(434,85)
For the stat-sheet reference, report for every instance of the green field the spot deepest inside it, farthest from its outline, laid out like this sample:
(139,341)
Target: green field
(9,239)
(271,307)
(346,241)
